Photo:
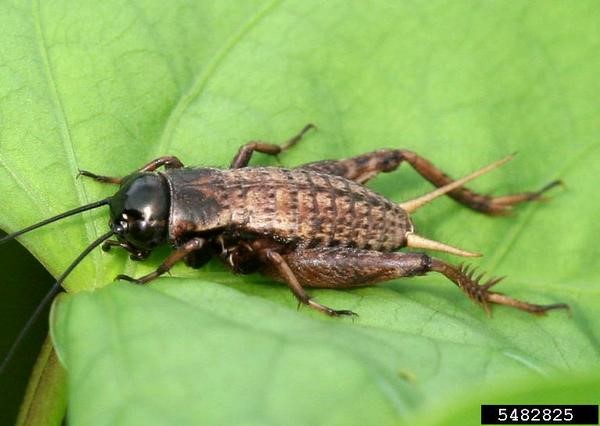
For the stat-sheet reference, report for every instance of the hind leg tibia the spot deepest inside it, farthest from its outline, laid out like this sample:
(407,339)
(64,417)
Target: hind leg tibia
(464,278)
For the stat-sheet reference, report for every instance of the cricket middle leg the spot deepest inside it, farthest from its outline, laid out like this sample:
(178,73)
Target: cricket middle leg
(242,158)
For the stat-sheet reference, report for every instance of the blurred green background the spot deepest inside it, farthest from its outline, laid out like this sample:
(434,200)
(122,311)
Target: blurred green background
(24,283)
(109,86)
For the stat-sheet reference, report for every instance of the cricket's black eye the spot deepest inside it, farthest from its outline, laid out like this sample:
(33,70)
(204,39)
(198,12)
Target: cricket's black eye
(139,211)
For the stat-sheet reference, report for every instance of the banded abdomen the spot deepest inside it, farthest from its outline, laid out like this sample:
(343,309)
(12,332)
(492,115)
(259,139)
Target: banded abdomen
(308,208)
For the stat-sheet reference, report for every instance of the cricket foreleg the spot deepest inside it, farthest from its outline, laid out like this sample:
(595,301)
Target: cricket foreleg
(135,254)
(348,267)
(100,178)
(364,167)
(276,261)
(245,153)
(168,162)
(190,246)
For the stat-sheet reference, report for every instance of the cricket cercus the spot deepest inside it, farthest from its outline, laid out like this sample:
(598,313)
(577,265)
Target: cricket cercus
(315,225)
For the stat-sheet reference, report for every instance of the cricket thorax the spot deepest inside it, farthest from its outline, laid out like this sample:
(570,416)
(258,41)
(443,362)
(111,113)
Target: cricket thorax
(304,207)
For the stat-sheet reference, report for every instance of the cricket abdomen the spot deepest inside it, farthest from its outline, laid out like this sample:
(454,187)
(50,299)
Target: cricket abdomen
(307,208)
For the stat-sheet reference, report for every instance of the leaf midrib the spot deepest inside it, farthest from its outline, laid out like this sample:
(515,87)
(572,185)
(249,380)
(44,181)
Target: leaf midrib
(65,133)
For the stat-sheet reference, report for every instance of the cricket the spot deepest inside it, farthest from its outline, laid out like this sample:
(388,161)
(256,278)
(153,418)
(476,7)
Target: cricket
(316,225)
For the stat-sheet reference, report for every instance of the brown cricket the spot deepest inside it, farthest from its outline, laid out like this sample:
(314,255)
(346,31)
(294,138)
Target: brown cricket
(315,225)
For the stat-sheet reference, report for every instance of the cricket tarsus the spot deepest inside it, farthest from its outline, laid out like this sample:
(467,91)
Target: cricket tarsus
(315,225)
(510,200)
(100,178)
(331,312)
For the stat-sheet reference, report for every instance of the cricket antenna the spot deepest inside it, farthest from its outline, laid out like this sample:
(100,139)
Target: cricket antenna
(57,285)
(90,206)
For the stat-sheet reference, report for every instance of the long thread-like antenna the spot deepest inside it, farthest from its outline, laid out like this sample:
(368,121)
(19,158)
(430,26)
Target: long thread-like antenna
(90,206)
(50,295)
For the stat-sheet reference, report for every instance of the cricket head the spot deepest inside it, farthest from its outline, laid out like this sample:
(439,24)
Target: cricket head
(139,211)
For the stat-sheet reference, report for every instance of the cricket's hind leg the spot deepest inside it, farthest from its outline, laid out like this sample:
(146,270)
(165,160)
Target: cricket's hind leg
(244,155)
(364,167)
(347,267)
(359,169)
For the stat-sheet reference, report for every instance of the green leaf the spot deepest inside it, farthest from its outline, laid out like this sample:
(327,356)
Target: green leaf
(109,86)
(560,389)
